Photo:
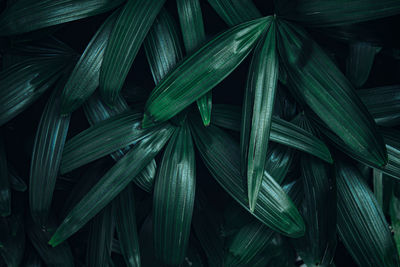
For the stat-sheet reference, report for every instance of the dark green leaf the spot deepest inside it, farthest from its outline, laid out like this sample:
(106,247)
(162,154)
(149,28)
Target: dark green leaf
(112,183)
(173,198)
(130,29)
(361,223)
(221,155)
(257,112)
(279,159)
(5,192)
(235,11)
(394,211)
(227,116)
(192,26)
(383,104)
(126,227)
(12,239)
(315,80)
(200,72)
(317,13)
(17,183)
(30,15)
(101,232)
(46,156)
(84,78)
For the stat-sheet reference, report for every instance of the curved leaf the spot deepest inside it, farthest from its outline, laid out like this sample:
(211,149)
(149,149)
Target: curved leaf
(112,183)
(221,156)
(235,11)
(26,16)
(200,72)
(258,104)
(173,198)
(361,223)
(315,80)
(129,31)
(5,192)
(46,156)
(84,79)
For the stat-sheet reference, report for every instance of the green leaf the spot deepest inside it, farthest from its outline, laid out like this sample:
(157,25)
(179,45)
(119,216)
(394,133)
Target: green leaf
(361,224)
(383,104)
(129,31)
(394,211)
(316,13)
(220,154)
(258,104)
(200,72)
(359,62)
(46,156)
(173,198)
(315,80)
(282,132)
(23,83)
(84,78)
(234,12)
(30,15)
(59,256)
(126,227)
(96,111)
(101,232)
(118,131)
(279,159)
(5,192)
(192,26)
(12,239)
(17,183)
(112,183)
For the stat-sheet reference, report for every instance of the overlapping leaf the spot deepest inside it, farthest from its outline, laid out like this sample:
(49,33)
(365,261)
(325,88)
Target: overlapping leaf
(258,104)
(12,239)
(220,153)
(173,198)
(46,156)
(5,192)
(112,183)
(129,31)
(84,78)
(315,80)
(200,72)
(361,223)
(234,12)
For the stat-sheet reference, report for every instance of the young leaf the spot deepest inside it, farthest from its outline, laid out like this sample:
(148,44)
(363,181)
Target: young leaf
(84,78)
(234,12)
(126,227)
(5,192)
(258,104)
(26,16)
(112,183)
(192,26)
(200,72)
(315,80)
(173,198)
(129,31)
(46,156)
(361,224)
(220,154)
(335,13)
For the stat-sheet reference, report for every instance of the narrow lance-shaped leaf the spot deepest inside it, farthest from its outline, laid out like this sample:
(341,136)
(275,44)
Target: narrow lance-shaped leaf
(258,104)
(315,80)
(173,198)
(282,132)
(394,211)
(5,192)
(26,16)
(335,13)
(192,26)
(84,78)
(200,72)
(234,12)
(129,31)
(126,227)
(96,111)
(46,156)
(12,239)
(220,154)
(112,183)
(101,232)
(383,103)
(361,224)
(359,62)
(23,83)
